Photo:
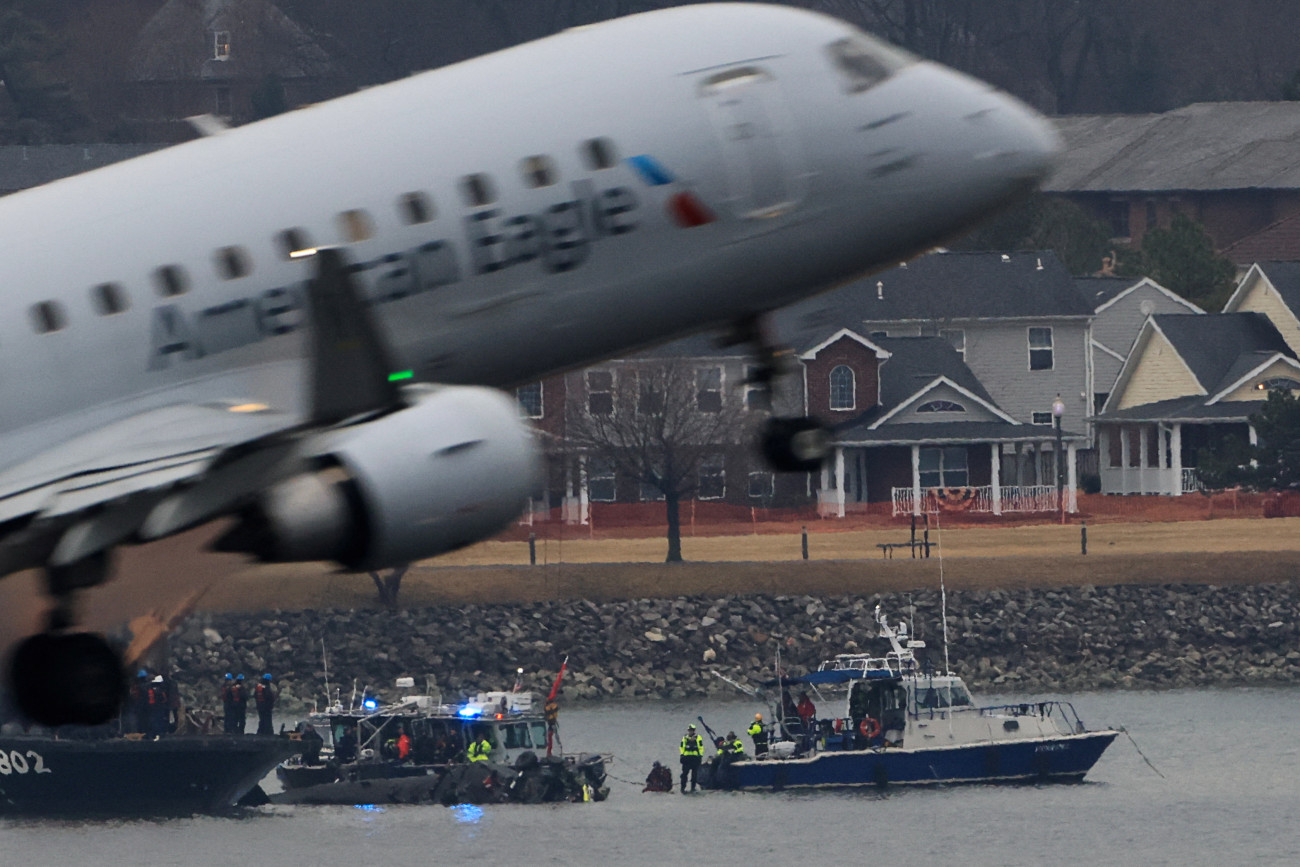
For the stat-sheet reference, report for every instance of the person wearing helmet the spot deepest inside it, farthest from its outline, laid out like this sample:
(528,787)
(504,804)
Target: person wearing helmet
(758,733)
(160,707)
(692,750)
(264,696)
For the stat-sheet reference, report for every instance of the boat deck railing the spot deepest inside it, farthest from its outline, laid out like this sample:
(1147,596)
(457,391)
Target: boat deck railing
(897,663)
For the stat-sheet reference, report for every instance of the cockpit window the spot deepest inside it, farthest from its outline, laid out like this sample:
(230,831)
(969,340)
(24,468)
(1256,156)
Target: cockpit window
(864,64)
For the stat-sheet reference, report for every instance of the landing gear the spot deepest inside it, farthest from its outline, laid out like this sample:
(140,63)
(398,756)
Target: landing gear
(791,444)
(61,676)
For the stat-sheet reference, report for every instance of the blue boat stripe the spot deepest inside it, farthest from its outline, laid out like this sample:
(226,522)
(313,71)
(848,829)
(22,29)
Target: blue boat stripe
(650,170)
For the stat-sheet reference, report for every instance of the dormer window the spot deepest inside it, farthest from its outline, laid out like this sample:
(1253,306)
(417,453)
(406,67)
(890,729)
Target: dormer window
(221,45)
(842,396)
(1279,383)
(941,406)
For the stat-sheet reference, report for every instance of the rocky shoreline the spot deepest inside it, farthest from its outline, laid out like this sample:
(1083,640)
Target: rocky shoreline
(1048,640)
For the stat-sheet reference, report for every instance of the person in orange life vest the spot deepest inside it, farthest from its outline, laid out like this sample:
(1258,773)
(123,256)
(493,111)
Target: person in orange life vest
(403,745)
(807,710)
(160,707)
(239,705)
(264,697)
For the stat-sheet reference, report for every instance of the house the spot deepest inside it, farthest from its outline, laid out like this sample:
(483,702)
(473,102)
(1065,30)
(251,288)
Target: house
(1120,306)
(235,59)
(1234,167)
(1188,382)
(1273,289)
(24,166)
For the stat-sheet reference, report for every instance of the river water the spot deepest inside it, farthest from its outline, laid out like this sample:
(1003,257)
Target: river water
(1230,793)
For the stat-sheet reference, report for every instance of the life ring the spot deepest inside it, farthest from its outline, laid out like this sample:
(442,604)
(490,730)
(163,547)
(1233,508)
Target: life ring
(869,727)
(839,726)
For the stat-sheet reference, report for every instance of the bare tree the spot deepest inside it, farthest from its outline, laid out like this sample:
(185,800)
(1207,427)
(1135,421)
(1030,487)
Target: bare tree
(665,428)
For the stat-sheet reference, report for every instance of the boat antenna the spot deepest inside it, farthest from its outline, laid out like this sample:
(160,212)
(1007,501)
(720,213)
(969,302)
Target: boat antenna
(325,664)
(943,595)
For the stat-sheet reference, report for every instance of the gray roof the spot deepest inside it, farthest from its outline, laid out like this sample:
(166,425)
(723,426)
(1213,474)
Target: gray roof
(1186,409)
(915,362)
(1285,277)
(177,43)
(24,166)
(1217,346)
(954,286)
(1097,291)
(1205,146)
(954,432)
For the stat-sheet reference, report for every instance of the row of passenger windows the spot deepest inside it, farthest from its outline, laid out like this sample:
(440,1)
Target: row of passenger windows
(355,225)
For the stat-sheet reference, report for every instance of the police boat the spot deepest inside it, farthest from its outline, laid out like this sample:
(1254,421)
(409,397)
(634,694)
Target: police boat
(896,723)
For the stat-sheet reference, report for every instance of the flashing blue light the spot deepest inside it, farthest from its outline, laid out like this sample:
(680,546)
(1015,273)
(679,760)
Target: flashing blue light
(368,808)
(467,712)
(370,704)
(467,814)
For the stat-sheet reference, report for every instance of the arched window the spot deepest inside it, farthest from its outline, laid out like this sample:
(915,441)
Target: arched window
(842,396)
(1279,383)
(941,406)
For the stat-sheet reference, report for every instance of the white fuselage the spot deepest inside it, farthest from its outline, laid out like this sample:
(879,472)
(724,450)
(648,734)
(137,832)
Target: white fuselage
(526,266)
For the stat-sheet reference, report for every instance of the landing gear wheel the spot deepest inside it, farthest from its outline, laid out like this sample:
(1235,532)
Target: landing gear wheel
(795,445)
(67,678)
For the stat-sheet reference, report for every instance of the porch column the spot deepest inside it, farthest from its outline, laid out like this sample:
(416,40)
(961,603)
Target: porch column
(584,492)
(1020,464)
(1144,444)
(995,476)
(916,479)
(1071,479)
(1176,457)
(1125,440)
(1253,436)
(839,481)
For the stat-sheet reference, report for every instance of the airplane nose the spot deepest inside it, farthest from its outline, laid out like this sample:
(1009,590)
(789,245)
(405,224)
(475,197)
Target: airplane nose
(1022,145)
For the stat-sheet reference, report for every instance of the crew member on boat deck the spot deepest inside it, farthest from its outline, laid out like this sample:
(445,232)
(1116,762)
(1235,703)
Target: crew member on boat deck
(311,744)
(239,699)
(228,704)
(692,749)
(735,747)
(160,707)
(480,750)
(403,745)
(345,751)
(807,711)
(660,779)
(759,735)
(264,696)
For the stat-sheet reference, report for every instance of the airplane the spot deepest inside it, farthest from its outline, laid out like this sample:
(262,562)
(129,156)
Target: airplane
(304,325)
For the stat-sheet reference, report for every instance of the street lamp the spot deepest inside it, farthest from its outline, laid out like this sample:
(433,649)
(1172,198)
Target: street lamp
(1058,410)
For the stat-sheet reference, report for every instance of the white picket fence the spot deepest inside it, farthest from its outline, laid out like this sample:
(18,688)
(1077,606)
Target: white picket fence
(1015,498)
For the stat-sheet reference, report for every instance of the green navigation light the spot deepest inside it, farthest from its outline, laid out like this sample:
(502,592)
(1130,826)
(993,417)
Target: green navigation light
(401,374)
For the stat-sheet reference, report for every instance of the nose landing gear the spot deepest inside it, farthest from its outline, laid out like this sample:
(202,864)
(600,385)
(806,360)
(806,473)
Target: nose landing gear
(62,676)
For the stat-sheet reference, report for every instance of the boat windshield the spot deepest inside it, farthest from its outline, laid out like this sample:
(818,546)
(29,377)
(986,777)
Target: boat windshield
(516,736)
(539,734)
(947,695)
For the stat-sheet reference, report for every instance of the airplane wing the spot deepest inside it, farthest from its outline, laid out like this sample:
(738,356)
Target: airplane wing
(167,469)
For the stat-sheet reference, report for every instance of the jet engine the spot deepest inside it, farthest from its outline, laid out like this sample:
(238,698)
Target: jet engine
(455,466)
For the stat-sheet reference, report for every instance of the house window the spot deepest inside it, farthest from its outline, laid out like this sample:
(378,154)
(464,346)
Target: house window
(1040,348)
(1280,383)
(1119,215)
(600,481)
(48,317)
(758,396)
(877,335)
(650,493)
(941,406)
(539,171)
(1042,418)
(221,104)
(762,484)
(944,468)
(599,153)
(221,45)
(530,399)
(708,389)
(477,190)
(712,478)
(957,337)
(650,396)
(109,298)
(842,396)
(415,208)
(600,392)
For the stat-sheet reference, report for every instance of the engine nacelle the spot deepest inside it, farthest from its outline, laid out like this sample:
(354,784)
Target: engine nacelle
(455,467)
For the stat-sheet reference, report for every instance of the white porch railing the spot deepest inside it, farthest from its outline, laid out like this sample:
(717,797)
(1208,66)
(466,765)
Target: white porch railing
(1015,498)
(1191,481)
(1147,480)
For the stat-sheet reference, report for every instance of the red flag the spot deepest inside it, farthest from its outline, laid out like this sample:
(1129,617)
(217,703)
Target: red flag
(555,687)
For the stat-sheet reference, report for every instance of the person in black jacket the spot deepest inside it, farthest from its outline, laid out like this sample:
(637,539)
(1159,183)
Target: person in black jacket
(264,696)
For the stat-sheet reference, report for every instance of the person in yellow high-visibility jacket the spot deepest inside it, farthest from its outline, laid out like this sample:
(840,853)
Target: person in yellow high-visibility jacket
(480,750)
(692,750)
